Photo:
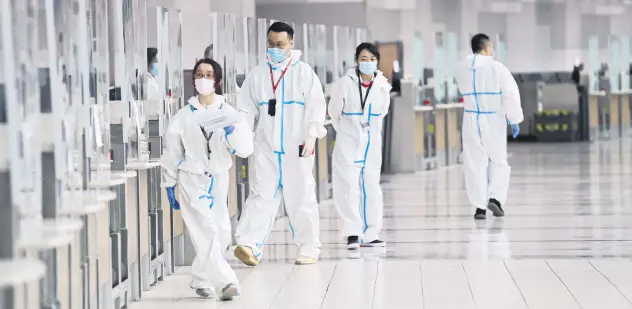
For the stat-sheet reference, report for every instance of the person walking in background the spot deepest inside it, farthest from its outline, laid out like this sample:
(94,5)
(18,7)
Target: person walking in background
(492,100)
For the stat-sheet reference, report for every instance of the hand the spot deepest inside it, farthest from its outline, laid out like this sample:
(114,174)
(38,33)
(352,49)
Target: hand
(308,147)
(515,130)
(229,129)
(171,194)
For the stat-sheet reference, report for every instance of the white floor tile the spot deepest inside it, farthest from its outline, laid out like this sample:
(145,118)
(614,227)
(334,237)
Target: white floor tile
(618,272)
(540,286)
(492,285)
(445,285)
(352,285)
(398,285)
(262,285)
(589,287)
(306,287)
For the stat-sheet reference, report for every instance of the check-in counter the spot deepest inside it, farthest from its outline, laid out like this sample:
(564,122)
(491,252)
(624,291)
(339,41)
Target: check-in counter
(615,114)
(626,120)
(425,138)
(596,115)
(448,133)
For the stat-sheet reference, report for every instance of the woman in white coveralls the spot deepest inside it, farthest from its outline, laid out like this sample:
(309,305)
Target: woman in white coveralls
(359,102)
(199,162)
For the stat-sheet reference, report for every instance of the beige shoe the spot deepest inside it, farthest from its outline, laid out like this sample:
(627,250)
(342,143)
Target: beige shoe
(245,254)
(305,260)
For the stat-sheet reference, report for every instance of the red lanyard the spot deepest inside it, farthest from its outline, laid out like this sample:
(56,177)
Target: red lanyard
(275,86)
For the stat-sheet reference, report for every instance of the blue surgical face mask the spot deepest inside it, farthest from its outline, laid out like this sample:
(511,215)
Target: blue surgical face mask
(367,67)
(154,69)
(277,55)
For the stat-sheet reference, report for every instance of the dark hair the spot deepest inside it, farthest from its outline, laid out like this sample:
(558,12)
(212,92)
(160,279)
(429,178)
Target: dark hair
(152,52)
(282,27)
(478,42)
(370,47)
(217,71)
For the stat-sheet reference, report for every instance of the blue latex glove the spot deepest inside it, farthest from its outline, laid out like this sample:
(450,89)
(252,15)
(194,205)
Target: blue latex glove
(515,130)
(171,194)
(229,129)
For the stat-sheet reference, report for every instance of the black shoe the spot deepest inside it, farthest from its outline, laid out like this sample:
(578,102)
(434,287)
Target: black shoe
(495,207)
(480,214)
(376,243)
(353,242)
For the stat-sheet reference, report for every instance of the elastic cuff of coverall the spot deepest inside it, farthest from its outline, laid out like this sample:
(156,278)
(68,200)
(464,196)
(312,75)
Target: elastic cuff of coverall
(309,251)
(197,284)
(316,130)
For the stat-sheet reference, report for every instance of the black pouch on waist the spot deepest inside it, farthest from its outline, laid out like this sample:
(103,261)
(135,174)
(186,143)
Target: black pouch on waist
(272,107)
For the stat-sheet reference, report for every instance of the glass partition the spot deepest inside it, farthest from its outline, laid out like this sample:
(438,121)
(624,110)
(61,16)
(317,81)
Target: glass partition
(439,68)
(418,61)
(614,64)
(451,60)
(625,63)
(593,64)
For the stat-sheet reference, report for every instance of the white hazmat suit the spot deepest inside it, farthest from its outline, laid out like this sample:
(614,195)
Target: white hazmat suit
(280,174)
(491,99)
(357,156)
(204,181)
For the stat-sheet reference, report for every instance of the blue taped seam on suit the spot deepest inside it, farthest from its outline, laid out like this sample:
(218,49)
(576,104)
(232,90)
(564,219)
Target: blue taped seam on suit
(480,93)
(180,163)
(366,154)
(226,134)
(209,195)
(478,112)
(359,114)
(260,245)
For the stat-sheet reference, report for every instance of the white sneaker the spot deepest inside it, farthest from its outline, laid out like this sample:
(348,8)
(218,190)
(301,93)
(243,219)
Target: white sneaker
(305,260)
(229,292)
(246,255)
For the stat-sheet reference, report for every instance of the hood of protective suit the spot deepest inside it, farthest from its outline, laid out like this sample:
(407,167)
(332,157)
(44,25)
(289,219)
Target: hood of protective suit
(379,80)
(219,100)
(295,56)
(477,60)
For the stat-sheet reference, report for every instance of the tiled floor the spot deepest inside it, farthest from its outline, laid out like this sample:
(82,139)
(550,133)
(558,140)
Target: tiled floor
(566,243)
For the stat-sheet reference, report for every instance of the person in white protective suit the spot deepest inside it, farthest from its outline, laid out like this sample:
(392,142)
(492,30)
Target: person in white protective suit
(359,102)
(284,104)
(153,91)
(492,101)
(199,162)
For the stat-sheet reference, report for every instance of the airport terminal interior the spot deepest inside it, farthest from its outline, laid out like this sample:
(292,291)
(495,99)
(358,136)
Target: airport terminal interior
(86,224)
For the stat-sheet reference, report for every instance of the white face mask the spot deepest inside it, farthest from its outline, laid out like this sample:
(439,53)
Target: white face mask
(204,86)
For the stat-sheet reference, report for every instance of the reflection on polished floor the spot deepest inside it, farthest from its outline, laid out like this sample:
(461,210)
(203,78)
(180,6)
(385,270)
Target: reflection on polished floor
(566,242)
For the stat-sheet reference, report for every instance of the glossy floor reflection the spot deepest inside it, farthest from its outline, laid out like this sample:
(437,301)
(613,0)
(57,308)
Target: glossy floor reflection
(566,242)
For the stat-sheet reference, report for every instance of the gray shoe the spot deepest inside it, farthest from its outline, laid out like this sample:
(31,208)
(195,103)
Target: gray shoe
(205,292)
(229,292)
(495,207)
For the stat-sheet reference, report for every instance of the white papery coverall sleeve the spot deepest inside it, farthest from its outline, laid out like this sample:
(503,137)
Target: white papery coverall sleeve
(336,104)
(315,106)
(239,142)
(247,103)
(173,154)
(510,96)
